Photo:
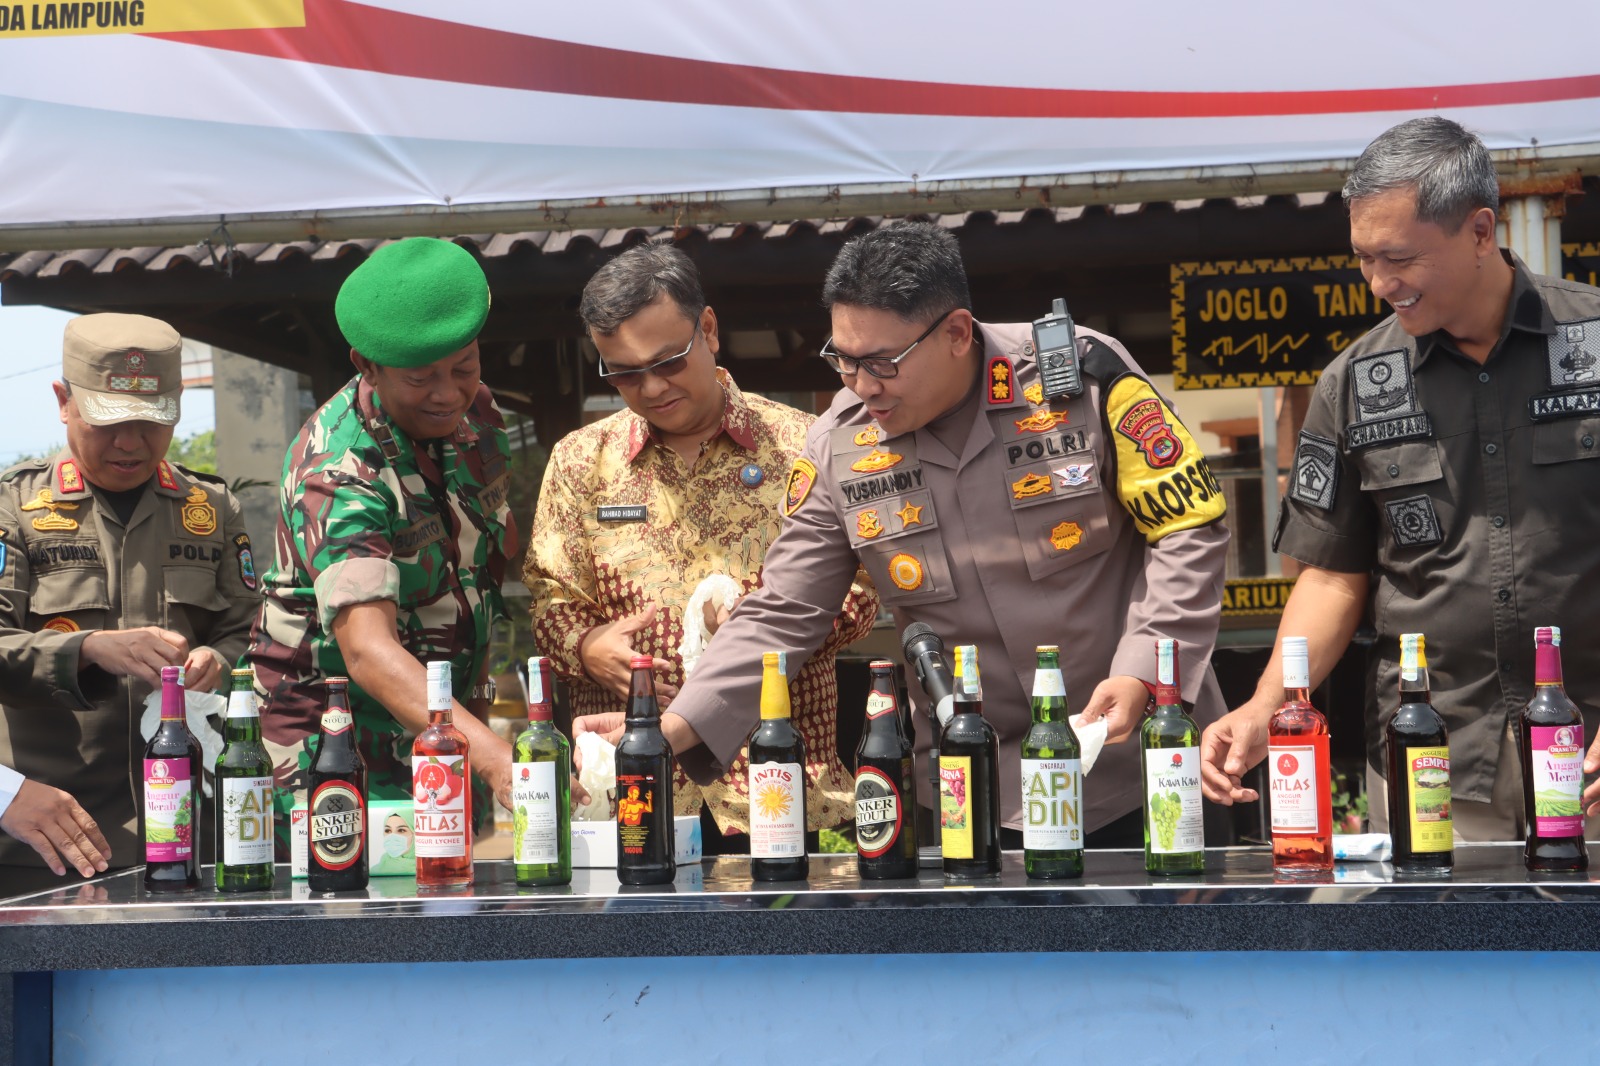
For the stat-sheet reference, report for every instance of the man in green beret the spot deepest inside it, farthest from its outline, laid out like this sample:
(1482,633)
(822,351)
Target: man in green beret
(393,530)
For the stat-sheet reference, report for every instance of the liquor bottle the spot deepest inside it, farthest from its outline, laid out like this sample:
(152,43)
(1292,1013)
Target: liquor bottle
(441,785)
(243,779)
(1052,778)
(337,859)
(171,794)
(1417,750)
(541,789)
(1550,740)
(777,778)
(886,824)
(1174,823)
(645,842)
(1298,774)
(969,778)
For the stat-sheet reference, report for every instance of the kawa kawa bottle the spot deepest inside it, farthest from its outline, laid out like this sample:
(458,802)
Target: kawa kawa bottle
(886,835)
(645,845)
(541,788)
(1298,774)
(1550,741)
(441,786)
(337,860)
(1052,778)
(243,778)
(1169,742)
(777,780)
(969,778)
(1417,751)
(171,794)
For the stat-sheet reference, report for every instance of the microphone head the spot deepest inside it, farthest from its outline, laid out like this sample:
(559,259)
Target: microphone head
(921,634)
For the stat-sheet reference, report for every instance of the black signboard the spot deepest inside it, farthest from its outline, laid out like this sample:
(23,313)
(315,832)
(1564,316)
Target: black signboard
(1581,262)
(1248,323)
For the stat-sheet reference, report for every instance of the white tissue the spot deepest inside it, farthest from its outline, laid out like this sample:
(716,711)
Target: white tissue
(1091,738)
(721,591)
(598,776)
(199,709)
(1362,847)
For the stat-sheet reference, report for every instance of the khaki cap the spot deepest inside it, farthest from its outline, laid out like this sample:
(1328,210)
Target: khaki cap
(123,368)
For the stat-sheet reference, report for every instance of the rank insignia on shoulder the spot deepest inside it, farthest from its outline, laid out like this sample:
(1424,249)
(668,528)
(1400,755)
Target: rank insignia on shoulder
(868,437)
(199,517)
(868,524)
(1316,472)
(1066,536)
(751,476)
(1034,393)
(60,625)
(906,572)
(1041,421)
(1029,485)
(909,515)
(1000,377)
(876,460)
(69,478)
(801,479)
(54,522)
(164,476)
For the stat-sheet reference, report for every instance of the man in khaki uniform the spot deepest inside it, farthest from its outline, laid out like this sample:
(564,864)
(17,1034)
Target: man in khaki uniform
(113,564)
(996,515)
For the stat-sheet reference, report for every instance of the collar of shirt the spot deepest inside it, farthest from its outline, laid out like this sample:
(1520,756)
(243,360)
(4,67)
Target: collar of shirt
(1527,311)
(402,450)
(737,421)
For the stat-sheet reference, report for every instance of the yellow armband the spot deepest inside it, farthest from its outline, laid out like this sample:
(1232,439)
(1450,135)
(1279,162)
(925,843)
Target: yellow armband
(1162,478)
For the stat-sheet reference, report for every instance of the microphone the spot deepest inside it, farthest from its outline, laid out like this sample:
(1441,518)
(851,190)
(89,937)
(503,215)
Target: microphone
(924,652)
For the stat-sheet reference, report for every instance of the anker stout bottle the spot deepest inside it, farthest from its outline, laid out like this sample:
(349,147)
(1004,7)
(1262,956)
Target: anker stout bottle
(171,794)
(969,779)
(1550,739)
(886,822)
(243,777)
(644,787)
(777,782)
(1169,743)
(1417,748)
(541,788)
(337,789)
(441,786)
(1298,775)
(1052,778)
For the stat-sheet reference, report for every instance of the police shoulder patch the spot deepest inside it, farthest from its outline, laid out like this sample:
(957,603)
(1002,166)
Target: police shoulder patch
(1163,480)
(801,479)
(1316,472)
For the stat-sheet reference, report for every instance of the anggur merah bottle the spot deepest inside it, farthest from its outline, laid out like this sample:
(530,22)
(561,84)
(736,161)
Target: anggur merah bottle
(441,786)
(886,823)
(645,829)
(777,782)
(1417,753)
(243,779)
(541,788)
(1169,744)
(1052,778)
(171,810)
(1550,742)
(1298,775)
(969,779)
(337,858)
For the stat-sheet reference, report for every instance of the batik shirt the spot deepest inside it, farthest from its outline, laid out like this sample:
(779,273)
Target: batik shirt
(624,522)
(366,514)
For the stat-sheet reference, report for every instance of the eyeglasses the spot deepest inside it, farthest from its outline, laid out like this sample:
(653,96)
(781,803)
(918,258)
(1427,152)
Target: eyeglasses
(669,367)
(876,366)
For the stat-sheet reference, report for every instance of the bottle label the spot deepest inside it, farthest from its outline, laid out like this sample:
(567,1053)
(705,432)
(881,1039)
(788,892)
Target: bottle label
(246,813)
(777,810)
(336,720)
(1428,799)
(636,797)
(533,812)
(242,704)
(1052,804)
(955,806)
(1048,683)
(1172,805)
(338,825)
(1297,777)
(1557,780)
(878,812)
(879,704)
(169,810)
(439,788)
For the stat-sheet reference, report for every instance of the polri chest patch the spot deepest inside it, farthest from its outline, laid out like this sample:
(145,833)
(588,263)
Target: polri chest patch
(1316,472)
(1385,398)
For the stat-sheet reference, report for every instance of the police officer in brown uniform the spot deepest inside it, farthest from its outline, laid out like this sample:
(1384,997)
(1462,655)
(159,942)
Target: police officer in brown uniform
(997,515)
(1444,480)
(113,564)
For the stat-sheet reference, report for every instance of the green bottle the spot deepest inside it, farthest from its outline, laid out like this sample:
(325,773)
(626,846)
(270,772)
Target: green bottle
(1052,778)
(1169,743)
(244,795)
(541,789)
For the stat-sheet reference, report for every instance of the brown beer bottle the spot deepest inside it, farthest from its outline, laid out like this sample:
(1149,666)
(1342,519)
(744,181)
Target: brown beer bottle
(337,857)
(1550,741)
(886,823)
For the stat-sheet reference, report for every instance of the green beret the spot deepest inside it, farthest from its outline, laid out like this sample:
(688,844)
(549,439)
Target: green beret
(413,302)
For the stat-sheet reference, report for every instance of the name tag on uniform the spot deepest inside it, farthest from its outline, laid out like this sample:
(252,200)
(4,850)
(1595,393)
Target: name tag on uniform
(632,512)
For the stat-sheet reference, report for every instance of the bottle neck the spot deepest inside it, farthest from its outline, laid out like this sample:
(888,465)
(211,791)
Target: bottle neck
(774,694)
(1049,703)
(1547,666)
(172,701)
(642,706)
(1297,694)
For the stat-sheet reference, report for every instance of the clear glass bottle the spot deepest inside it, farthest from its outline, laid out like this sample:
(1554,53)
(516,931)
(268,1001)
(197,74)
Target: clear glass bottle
(441,785)
(1299,775)
(1169,742)
(541,788)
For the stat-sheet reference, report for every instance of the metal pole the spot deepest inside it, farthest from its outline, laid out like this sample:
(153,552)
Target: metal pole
(1269,475)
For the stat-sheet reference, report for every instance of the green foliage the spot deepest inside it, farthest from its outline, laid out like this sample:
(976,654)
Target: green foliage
(1348,805)
(197,452)
(831,842)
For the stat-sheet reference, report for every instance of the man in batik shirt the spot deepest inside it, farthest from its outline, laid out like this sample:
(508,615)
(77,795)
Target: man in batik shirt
(393,533)
(638,509)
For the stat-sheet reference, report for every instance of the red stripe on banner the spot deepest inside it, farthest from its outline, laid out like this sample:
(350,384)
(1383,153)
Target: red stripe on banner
(340,33)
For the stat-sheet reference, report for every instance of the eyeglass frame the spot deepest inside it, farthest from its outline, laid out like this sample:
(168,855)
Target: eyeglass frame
(634,375)
(828,354)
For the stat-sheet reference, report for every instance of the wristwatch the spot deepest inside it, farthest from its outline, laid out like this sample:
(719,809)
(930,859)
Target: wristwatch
(485,691)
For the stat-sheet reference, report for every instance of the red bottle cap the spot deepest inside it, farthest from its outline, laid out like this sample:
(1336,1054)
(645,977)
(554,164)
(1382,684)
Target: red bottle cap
(641,662)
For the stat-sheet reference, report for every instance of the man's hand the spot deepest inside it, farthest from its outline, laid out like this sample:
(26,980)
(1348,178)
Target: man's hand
(715,616)
(50,822)
(494,767)
(1121,701)
(679,733)
(203,670)
(606,652)
(1229,747)
(139,653)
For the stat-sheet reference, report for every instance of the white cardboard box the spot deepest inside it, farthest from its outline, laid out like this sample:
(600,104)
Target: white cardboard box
(594,844)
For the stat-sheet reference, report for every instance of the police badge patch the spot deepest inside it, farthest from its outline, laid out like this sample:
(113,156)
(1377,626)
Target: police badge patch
(1414,522)
(1573,351)
(1316,472)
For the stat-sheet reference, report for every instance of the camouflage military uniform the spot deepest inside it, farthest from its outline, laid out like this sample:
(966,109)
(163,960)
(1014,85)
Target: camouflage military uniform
(366,515)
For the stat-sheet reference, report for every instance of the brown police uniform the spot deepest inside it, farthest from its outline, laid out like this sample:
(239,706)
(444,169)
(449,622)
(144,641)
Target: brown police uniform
(1468,492)
(1090,522)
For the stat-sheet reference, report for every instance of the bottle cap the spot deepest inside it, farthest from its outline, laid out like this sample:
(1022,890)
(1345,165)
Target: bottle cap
(538,667)
(172,673)
(1413,655)
(244,673)
(440,697)
(1042,648)
(967,680)
(880,664)
(641,662)
(777,659)
(1547,635)
(1296,663)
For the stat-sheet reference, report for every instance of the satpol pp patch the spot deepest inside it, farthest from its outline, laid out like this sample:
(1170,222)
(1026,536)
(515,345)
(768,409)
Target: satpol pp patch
(1414,522)
(1316,472)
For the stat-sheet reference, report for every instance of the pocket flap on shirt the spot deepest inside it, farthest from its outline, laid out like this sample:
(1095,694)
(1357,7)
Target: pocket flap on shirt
(65,591)
(193,587)
(1391,466)
(1566,440)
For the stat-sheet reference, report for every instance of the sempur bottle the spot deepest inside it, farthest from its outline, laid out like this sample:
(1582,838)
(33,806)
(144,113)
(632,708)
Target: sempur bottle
(1052,778)
(1417,754)
(1550,741)
(441,786)
(541,788)
(969,778)
(172,762)
(243,779)
(1169,742)
(777,783)
(1298,775)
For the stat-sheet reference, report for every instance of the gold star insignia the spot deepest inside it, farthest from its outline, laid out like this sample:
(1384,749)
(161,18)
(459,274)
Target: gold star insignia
(909,515)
